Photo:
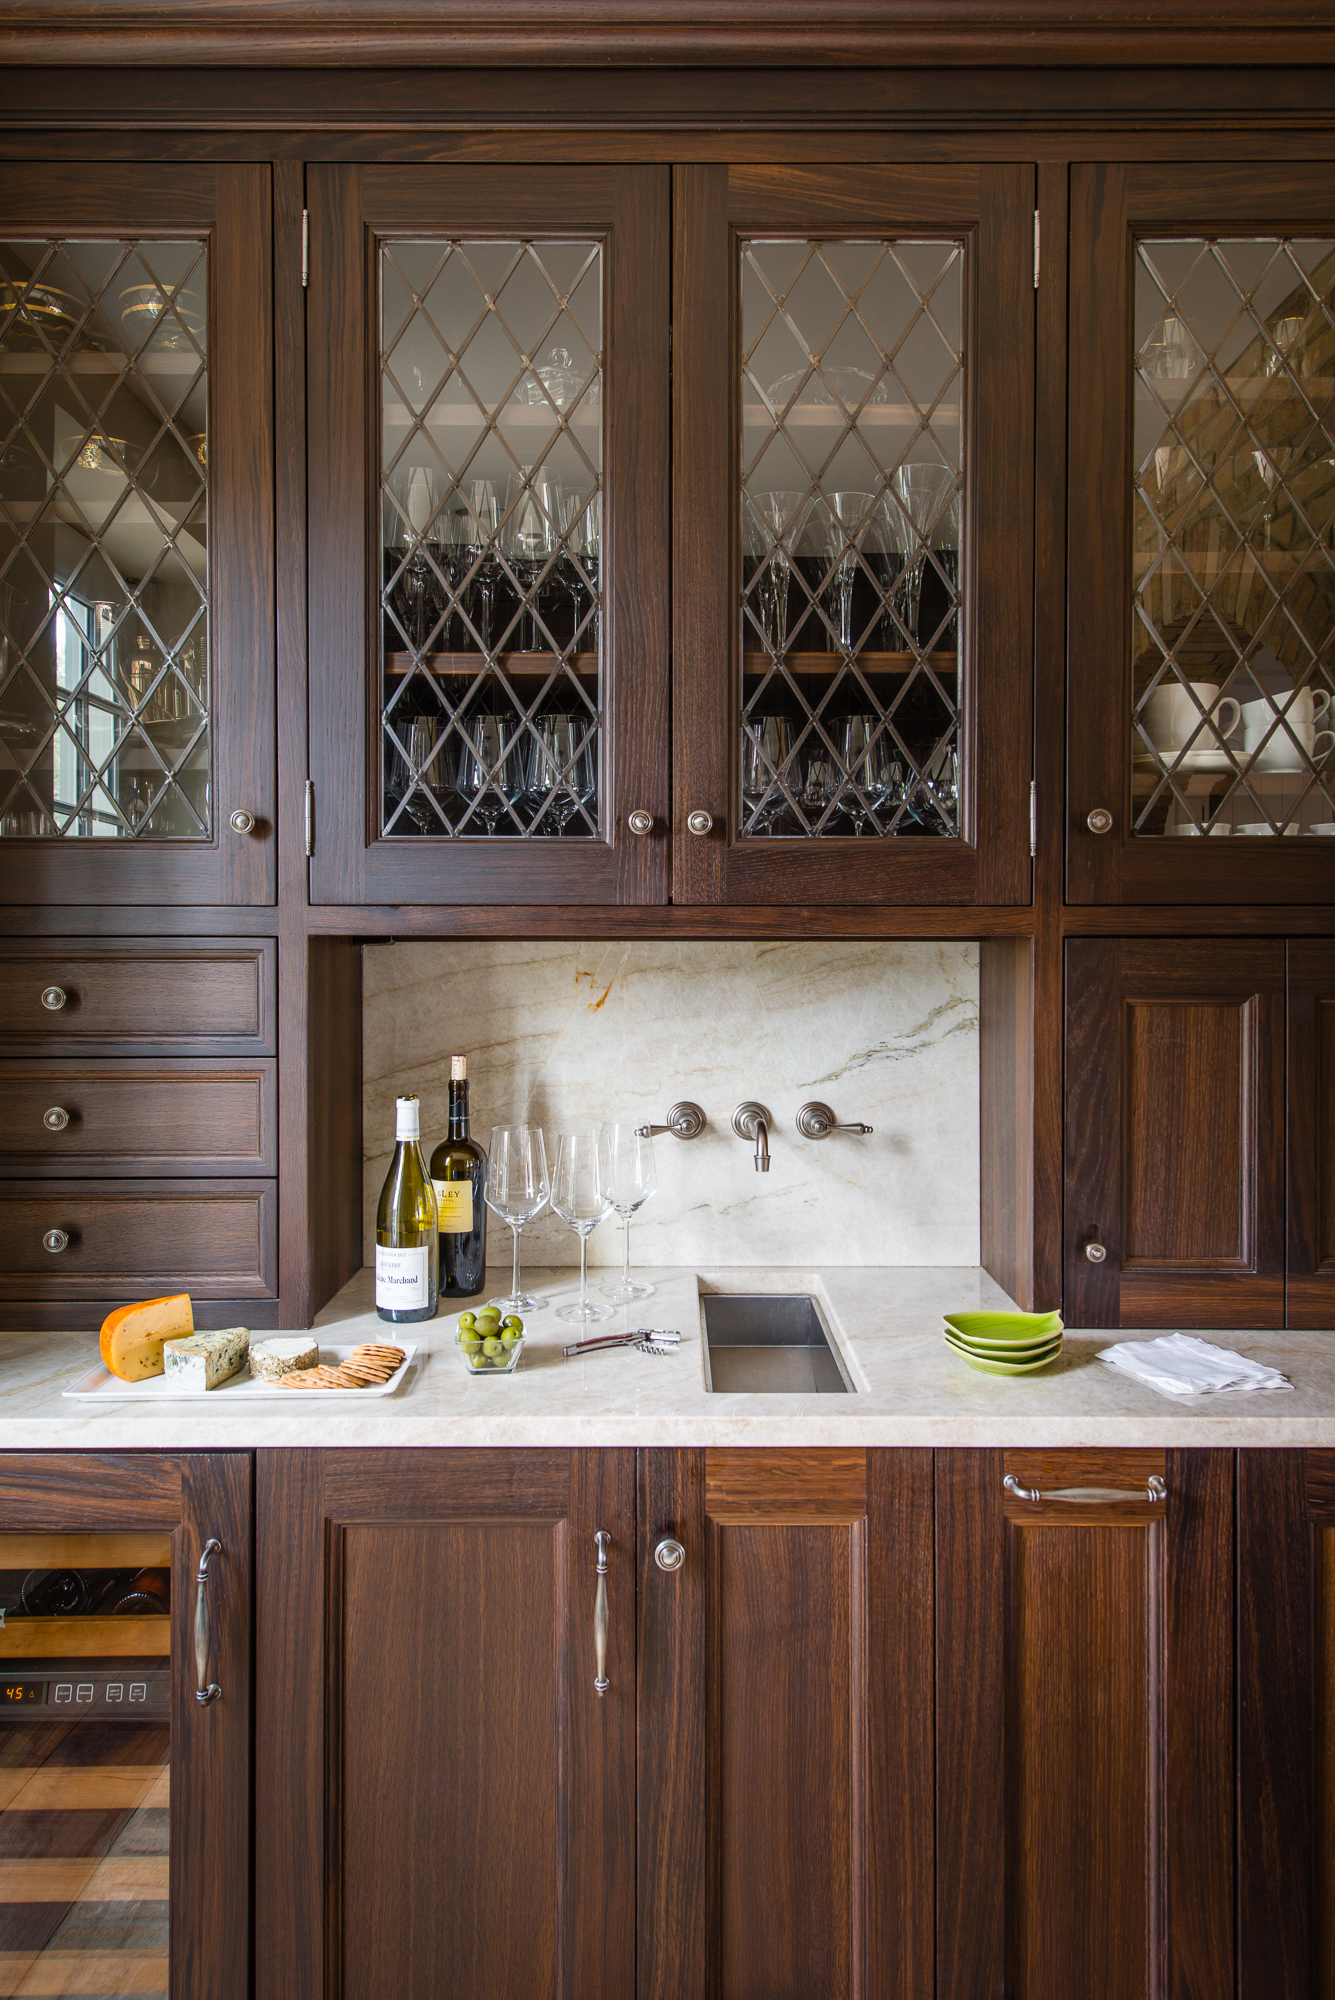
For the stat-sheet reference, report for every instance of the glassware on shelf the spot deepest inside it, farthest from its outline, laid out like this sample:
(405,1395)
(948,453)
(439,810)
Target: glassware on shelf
(846,522)
(478,547)
(771,528)
(424,773)
(490,759)
(561,773)
(518,1187)
(581,1197)
(632,1178)
(864,749)
(767,748)
(532,514)
(925,492)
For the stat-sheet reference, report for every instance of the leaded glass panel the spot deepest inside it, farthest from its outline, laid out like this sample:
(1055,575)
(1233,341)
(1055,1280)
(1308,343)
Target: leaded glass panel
(1233,627)
(852,443)
(104,578)
(491,537)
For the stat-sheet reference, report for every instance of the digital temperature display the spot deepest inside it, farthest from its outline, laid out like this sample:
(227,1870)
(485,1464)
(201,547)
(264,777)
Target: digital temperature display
(14,1691)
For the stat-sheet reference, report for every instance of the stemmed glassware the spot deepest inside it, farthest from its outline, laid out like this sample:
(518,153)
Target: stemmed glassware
(561,774)
(518,1188)
(767,745)
(487,764)
(479,556)
(925,493)
(632,1178)
(866,758)
(581,1197)
(846,524)
(424,770)
(772,525)
(533,511)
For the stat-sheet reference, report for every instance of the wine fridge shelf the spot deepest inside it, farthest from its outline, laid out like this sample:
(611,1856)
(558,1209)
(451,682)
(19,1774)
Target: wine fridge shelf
(85,1638)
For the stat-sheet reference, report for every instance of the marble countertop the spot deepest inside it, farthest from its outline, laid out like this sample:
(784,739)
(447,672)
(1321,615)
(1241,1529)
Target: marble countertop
(911,1389)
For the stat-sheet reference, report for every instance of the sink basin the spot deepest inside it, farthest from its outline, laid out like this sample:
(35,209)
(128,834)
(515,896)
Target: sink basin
(770,1345)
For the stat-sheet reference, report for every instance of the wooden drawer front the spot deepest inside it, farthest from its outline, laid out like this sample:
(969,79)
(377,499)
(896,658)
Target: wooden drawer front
(196,1117)
(217,994)
(140,1241)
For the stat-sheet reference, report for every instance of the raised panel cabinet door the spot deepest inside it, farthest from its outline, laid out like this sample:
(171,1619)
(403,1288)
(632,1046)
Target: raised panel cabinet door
(853,446)
(1311,1147)
(1084,1717)
(445,1801)
(137,590)
(1175,1054)
(125,1801)
(785,1755)
(1202,566)
(488,367)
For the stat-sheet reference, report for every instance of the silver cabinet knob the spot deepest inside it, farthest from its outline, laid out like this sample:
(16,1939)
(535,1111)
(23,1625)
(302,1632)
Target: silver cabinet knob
(699,822)
(669,1555)
(1096,1253)
(54,998)
(56,1119)
(241,820)
(640,821)
(56,1240)
(1100,820)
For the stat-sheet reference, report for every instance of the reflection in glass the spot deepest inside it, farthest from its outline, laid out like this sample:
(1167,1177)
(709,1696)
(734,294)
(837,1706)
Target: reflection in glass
(104,582)
(491,532)
(853,392)
(1233,587)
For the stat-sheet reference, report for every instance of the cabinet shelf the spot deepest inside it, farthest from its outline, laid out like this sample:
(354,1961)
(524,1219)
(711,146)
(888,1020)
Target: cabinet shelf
(830,664)
(517,666)
(85,1638)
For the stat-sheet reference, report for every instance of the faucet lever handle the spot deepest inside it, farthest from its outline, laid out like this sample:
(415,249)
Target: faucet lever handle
(684,1121)
(817,1121)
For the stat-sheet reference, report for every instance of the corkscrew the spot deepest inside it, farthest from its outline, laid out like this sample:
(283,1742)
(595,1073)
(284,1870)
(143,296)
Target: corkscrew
(648,1340)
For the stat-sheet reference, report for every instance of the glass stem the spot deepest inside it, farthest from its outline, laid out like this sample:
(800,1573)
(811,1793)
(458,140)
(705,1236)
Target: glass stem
(625,1252)
(583,1269)
(514,1269)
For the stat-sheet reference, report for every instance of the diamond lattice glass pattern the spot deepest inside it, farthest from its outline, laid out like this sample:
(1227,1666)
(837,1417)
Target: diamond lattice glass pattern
(104,582)
(491,537)
(1233,625)
(853,393)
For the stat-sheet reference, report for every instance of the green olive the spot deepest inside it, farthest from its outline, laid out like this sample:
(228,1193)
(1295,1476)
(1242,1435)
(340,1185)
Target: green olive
(509,1337)
(492,1345)
(470,1342)
(511,1321)
(467,1319)
(488,1317)
(478,1360)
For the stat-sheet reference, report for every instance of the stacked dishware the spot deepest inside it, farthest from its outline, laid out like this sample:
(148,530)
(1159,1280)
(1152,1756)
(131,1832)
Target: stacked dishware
(1005,1343)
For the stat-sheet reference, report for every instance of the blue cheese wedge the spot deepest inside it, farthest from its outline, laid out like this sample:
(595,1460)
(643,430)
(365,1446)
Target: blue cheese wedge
(203,1360)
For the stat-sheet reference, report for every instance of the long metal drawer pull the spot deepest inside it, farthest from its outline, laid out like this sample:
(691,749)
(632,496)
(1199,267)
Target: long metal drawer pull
(602,1541)
(1156,1490)
(207,1690)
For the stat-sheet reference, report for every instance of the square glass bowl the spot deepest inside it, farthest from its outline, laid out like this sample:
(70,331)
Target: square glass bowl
(478,1363)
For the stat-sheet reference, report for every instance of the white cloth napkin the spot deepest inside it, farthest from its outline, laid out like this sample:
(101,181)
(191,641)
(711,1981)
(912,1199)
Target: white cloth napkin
(1180,1365)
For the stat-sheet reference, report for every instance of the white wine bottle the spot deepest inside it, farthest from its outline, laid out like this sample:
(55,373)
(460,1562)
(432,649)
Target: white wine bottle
(406,1244)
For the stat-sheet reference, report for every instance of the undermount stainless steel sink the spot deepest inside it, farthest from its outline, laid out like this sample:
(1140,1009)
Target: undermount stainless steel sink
(770,1345)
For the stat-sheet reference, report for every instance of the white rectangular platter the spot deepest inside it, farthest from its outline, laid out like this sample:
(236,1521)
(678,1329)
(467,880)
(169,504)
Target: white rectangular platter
(100,1386)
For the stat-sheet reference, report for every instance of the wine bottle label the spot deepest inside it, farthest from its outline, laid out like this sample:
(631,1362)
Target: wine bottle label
(454,1199)
(402,1278)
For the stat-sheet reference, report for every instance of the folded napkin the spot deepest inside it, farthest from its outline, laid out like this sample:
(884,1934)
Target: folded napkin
(1179,1365)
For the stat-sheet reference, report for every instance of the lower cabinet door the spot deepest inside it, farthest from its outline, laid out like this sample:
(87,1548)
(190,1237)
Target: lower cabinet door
(125,1801)
(445,1801)
(1084,1723)
(785,1725)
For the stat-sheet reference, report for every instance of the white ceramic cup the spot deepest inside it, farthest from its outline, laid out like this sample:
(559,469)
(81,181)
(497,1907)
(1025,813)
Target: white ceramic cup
(1259,829)
(1302,710)
(1325,827)
(1174,720)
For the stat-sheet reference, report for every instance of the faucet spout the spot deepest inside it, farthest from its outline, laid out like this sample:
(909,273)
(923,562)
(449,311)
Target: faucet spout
(752,1122)
(762,1146)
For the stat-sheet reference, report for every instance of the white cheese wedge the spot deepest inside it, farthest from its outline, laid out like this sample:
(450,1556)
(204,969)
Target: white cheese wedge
(271,1358)
(203,1360)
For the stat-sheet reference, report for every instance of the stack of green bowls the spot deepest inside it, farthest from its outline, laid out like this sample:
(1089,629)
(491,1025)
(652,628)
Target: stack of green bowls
(1005,1343)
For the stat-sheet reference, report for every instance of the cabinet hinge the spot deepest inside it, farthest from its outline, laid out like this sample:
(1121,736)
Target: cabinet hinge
(1038,247)
(1033,820)
(306,248)
(310,817)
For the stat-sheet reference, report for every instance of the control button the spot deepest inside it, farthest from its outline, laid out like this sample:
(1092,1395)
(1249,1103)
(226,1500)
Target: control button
(64,1692)
(115,1691)
(84,1691)
(138,1690)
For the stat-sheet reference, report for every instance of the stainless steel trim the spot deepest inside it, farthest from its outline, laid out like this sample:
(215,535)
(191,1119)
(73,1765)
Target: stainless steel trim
(207,1690)
(669,1555)
(1156,1491)
(601,1620)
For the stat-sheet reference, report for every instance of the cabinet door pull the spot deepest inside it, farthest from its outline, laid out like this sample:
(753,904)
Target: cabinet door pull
(242,821)
(1096,1252)
(1156,1491)
(699,823)
(640,821)
(1100,820)
(56,1119)
(54,998)
(669,1555)
(56,1240)
(602,1541)
(207,1690)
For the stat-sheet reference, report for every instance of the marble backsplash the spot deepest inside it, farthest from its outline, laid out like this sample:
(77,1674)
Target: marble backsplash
(563,1034)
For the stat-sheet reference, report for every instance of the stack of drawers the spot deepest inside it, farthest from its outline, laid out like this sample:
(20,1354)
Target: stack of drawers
(138,1103)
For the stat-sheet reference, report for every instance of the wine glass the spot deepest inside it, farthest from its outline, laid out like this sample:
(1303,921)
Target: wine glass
(924,492)
(866,758)
(533,509)
(767,745)
(580,1197)
(479,555)
(632,1178)
(424,771)
(561,775)
(845,526)
(517,1189)
(487,764)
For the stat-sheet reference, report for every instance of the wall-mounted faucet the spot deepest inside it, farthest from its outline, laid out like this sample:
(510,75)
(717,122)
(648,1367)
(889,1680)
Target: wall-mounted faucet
(817,1121)
(684,1121)
(751,1121)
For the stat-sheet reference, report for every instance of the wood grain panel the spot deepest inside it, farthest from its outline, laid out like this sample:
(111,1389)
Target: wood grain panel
(1083,1747)
(140,1238)
(1324,1676)
(1006,1028)
(87,1492)
(187,1118)
(449,1759)
(133,997)
(1311,1135)
(1190,1085)
(750,1484)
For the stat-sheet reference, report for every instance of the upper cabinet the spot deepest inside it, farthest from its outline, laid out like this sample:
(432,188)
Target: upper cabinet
(1202,559)
(852,558)
(136,535)
(488,369)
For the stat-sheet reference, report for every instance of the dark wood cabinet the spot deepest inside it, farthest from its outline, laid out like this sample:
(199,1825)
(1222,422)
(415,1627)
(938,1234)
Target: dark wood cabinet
(121,1796)
(1175,1132)
(1084,1718)
(785,1754)
(1311,1133)
(444,1803)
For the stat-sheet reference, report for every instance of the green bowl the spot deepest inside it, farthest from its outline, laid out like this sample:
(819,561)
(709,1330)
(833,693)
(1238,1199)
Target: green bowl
(988,1366)
(1005,1350)
(1009,1329)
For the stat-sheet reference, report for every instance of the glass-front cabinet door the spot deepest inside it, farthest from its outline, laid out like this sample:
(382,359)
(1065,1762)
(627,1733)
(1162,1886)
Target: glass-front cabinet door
(136,559)
(488,446)
(1202,542)
(853,469)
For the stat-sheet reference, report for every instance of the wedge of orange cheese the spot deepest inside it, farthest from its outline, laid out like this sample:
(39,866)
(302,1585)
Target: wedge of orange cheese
(132,1336)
